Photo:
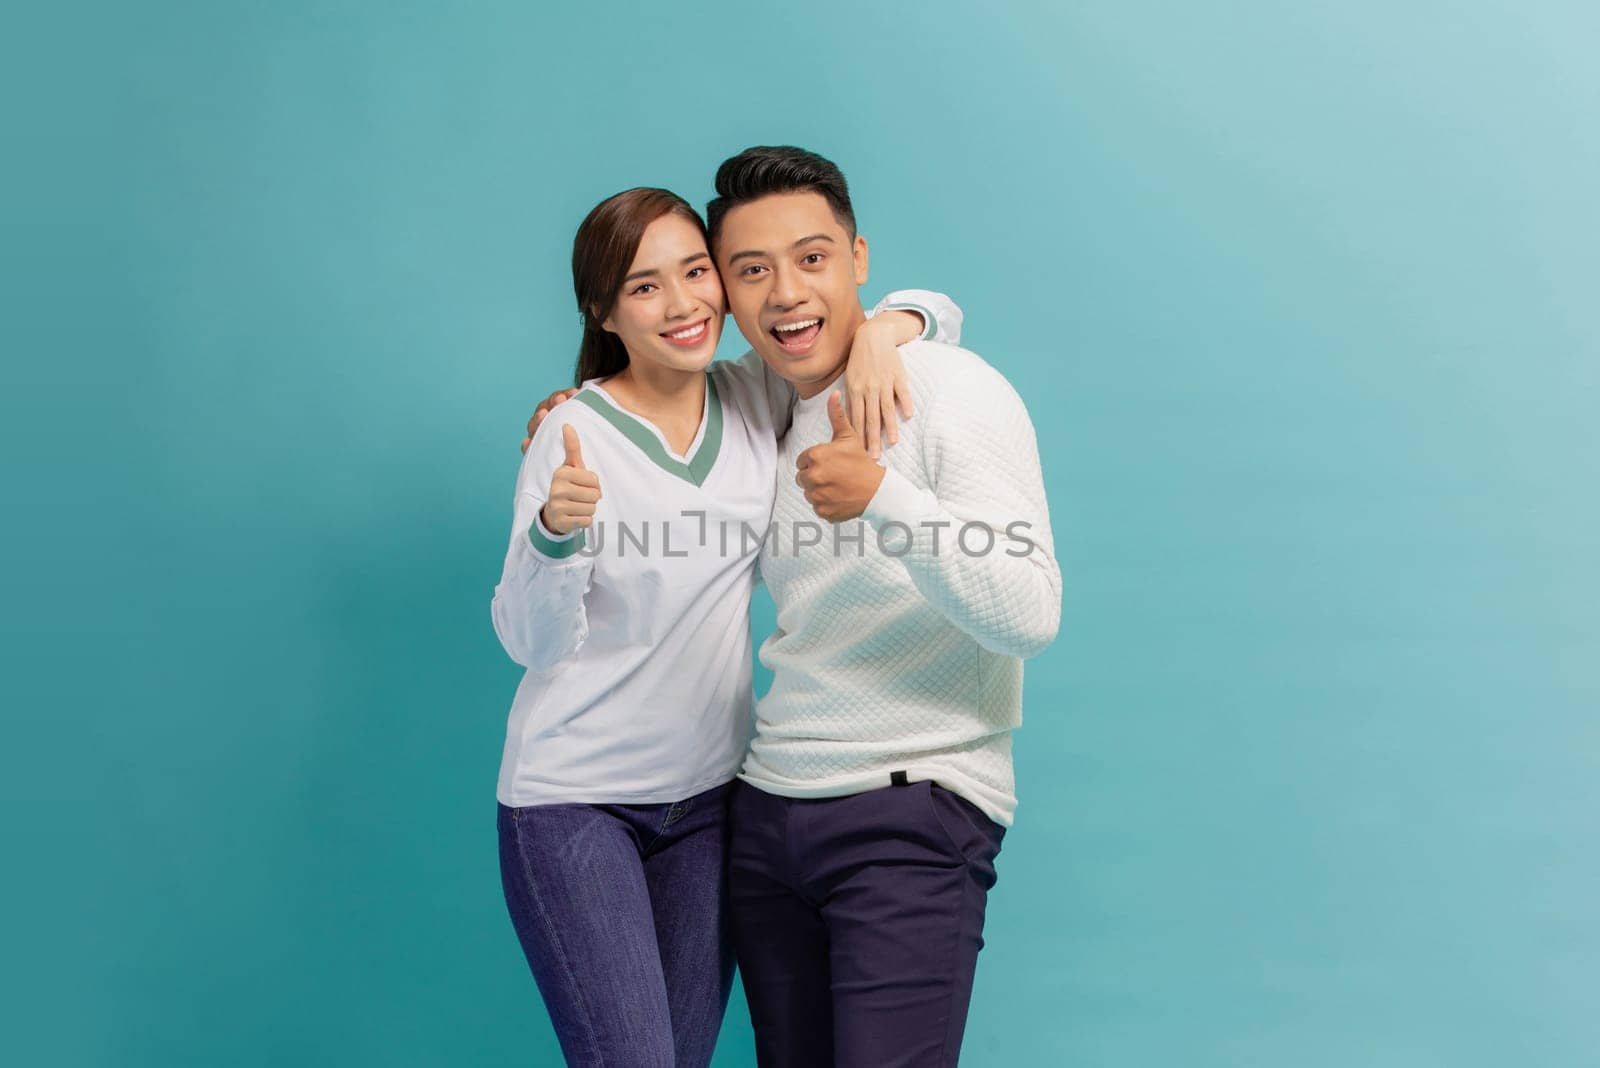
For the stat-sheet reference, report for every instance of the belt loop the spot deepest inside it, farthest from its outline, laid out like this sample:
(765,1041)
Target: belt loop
(898,778)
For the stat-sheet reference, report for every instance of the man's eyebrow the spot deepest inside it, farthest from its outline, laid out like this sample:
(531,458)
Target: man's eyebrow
(803,241)
(681,263)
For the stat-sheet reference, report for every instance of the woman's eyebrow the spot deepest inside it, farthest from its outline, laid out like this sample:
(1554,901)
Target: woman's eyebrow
(647,272)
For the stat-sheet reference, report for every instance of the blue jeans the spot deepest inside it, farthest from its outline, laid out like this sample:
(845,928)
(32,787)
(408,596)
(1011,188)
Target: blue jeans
(622,911)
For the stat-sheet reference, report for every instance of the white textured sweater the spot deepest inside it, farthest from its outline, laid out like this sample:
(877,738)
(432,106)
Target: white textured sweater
(899,648)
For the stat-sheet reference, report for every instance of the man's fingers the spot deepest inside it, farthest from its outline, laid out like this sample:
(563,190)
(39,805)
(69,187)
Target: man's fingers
(809,480)
(543,410)
(836,416)
(569,438)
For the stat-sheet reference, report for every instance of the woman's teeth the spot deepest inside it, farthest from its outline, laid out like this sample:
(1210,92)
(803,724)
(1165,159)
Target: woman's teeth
(688,333)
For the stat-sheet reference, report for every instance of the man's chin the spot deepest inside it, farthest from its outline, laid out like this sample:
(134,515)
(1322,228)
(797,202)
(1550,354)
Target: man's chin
(800,370)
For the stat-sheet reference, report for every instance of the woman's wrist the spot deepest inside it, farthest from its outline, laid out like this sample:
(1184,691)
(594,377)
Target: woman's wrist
(898,325)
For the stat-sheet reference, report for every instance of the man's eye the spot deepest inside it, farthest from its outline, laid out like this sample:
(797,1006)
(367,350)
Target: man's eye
(751,270)
(811,259)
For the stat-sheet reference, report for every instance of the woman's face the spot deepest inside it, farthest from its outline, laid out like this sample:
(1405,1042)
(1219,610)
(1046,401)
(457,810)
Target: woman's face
(670,309)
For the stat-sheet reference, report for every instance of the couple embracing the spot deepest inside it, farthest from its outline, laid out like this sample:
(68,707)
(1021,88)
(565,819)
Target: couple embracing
(838,837)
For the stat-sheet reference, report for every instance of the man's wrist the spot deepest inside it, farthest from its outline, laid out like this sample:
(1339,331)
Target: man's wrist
(896,500)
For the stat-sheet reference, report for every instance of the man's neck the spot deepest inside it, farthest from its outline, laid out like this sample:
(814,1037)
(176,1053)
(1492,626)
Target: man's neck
(807,390)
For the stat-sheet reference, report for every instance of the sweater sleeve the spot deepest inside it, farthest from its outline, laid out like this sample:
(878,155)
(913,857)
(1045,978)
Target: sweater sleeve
(537,609)
(978,545)
(941,317)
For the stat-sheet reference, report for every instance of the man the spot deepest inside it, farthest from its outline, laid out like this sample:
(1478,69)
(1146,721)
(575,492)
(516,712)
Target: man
(879,782)
(879,785)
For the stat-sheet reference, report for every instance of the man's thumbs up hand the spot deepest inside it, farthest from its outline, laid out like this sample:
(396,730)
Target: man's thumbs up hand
(574,490)
(841,425)
(838,476)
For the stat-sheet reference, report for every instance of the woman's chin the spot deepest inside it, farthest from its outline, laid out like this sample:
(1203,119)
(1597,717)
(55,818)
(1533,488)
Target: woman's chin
(695,359)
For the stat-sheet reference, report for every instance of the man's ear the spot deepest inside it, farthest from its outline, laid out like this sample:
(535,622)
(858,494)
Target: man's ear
(858,253)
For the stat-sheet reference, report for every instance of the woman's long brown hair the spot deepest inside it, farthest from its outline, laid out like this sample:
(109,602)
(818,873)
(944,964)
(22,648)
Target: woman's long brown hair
(605,246)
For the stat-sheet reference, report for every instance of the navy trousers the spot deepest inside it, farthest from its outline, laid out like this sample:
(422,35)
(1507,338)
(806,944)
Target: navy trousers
(857,922)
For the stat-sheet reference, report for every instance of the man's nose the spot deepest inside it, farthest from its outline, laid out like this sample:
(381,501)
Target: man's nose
(787,288)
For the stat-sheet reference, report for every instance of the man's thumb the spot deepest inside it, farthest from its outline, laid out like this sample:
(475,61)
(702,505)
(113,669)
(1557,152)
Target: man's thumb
(569,437)
(836,416)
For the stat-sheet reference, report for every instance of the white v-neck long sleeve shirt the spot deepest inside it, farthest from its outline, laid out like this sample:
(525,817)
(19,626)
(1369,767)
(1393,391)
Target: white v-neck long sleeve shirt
(635,633)
(901,635)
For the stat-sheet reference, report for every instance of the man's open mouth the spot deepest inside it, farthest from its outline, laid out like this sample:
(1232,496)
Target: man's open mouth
(796,337)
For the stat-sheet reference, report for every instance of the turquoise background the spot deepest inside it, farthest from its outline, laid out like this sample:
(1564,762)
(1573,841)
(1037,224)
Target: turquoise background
(1302,300)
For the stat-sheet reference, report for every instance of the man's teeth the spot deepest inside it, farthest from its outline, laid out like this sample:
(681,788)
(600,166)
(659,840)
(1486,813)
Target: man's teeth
(785,328)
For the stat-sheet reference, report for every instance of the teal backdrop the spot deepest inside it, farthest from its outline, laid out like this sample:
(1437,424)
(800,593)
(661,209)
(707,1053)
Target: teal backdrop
(1302,299)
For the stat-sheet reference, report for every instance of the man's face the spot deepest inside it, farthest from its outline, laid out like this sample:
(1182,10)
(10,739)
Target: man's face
(791,272)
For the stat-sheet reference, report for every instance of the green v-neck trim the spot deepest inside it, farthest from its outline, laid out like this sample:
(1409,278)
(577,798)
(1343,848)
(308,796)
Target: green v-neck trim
(699,465)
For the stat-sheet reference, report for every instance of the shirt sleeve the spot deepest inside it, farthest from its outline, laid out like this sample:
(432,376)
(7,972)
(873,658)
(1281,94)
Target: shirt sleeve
(941,317)
(773,388)
(537,609)
(978,545)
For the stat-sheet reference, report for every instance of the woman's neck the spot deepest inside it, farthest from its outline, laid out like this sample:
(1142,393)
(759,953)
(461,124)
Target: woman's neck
(671,399)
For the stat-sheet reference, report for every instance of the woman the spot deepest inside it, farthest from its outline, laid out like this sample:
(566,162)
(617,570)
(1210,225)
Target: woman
(637,520)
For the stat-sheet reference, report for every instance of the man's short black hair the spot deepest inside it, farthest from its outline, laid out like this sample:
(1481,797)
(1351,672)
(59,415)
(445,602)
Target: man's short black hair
(767,169)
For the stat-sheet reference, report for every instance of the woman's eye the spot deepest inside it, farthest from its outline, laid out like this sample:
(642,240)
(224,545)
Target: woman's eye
(645,286)
(698,271)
